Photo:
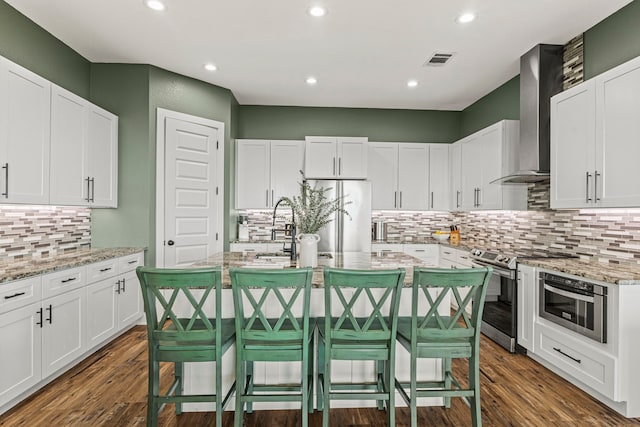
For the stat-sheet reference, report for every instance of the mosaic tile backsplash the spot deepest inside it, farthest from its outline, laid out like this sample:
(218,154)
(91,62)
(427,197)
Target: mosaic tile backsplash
(41,231)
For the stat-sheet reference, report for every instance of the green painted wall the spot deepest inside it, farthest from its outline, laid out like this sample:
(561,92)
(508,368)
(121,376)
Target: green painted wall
(502,103)
(123,89)
(266,122)
(613,41)
(27,44)
(186,95)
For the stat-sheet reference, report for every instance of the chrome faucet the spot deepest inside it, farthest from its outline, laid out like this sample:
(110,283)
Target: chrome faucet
(289,230)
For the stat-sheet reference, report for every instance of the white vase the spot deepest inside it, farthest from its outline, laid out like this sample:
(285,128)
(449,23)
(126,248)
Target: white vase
(308,250)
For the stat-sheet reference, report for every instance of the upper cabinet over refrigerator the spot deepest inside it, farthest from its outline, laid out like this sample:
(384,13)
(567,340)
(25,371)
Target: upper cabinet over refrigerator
(329,157)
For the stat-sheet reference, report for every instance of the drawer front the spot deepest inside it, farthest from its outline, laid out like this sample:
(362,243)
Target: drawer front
(583,362)
(63,281)
(428,253)
(250,247)
(20,293)
(130,262)
(102,270)
(464,260)
(386,247)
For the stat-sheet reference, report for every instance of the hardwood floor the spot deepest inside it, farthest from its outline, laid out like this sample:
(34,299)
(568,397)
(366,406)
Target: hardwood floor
(109,389)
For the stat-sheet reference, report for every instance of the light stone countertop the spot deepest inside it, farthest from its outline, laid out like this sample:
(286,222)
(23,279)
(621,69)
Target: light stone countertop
(618,274)
(22,269)
(350,260)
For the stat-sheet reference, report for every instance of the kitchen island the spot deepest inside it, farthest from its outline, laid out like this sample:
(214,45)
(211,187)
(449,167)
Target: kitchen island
(199,377)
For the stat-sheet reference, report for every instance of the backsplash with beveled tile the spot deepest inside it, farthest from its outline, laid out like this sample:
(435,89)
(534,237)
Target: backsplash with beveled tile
(41,231)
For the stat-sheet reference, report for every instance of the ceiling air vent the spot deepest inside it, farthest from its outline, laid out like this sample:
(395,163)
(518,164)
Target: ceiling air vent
(438,59)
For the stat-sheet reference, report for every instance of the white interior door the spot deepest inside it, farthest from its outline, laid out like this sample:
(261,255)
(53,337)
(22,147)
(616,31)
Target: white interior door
(193,200)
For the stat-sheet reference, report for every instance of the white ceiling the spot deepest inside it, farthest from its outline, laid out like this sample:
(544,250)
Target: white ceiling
(363,52)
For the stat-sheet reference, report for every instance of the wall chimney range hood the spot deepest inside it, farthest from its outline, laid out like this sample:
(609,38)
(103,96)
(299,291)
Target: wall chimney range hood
(540,79)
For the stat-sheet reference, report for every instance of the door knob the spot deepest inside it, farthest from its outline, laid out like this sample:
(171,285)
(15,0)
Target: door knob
(171,243)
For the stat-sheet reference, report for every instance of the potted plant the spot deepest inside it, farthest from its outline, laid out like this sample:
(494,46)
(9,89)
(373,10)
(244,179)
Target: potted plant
(312,210)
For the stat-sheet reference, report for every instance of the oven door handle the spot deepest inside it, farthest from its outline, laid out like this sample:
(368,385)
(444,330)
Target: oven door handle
(509,274)
(568,294)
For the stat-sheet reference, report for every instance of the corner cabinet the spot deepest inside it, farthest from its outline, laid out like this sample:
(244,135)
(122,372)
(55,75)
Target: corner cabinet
(486,156)
(84,152)
(267,171)
(24,135)
(594,129)
(335,157)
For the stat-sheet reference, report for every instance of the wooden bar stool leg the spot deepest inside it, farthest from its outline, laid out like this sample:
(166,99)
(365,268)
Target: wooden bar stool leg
(219,395)
(474,383)
(321,373)
(178,370)
(389,379)
(326,389)
(309,375)
(380,369)
(154,386)
(447,380)
(413,406)
(241,386)
(250,378)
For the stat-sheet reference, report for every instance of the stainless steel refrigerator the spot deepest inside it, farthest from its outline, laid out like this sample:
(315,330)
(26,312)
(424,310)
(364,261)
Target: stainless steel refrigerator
(345,234)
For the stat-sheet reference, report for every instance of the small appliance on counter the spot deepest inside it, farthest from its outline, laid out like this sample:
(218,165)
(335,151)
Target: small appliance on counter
(243,227)
(379,231)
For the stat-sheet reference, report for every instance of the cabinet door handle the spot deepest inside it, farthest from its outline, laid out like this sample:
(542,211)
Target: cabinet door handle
(39,313)
(475,197)
(266,195)
(588,199)
(135,261)
(400,198)
(70,279)
(124,282)
(432,200)
(102,270)
(458,199)
(93,189)
(395,199)
(595,186)
(50,310)
(6,180)
(118,290)
(14,295)
(272,197)
(334,165)
(566,355)
(88,198)
(339,165)
(479,202)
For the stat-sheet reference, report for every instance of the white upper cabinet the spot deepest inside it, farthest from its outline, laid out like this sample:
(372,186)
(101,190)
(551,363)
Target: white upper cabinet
(408,176)
(335,157)
(267,171)
(413,176)
(84,152)
(594,134)
(24,135)
(485,157)
(455,176)
(439,177)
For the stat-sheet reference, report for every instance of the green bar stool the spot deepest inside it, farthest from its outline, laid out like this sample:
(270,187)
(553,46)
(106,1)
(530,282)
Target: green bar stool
(172,338)
(344,335)
(259,338)
(455,335)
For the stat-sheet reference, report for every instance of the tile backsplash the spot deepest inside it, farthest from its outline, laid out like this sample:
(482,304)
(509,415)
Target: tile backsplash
(41,231)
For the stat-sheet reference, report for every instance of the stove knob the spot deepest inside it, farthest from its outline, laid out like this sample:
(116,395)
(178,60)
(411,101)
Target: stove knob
(476,252)
(505,259)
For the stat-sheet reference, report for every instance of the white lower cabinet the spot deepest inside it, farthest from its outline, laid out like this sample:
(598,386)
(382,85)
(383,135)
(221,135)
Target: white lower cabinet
(526,298)
(48,323)
(425,252)
(20,352)
(62,330)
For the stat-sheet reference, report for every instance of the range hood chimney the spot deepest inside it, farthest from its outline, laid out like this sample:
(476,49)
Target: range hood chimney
(540,79)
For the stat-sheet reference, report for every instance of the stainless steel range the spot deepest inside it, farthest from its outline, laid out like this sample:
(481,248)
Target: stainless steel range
(499,318)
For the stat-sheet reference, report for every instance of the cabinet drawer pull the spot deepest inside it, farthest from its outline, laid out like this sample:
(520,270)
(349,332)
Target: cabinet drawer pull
(386,250)
(464,257)
(102,270)
(565,354)
(448,253)
(14,295)
(419,250)
(70,279)
(135,261)
(6,180)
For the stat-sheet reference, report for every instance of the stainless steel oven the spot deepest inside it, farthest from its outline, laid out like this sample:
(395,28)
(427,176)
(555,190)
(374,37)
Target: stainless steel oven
(575,304)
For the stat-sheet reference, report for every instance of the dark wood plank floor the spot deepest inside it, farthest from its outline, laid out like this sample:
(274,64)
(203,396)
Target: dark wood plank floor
(109,389)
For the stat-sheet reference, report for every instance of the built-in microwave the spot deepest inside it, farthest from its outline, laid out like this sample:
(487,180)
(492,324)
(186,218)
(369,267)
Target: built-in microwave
(575,304)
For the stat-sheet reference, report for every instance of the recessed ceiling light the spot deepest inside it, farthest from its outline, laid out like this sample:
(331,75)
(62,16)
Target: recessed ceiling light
(210,67)
(465,18)
(311,81)
(412,83)
(317,11)
(155,5)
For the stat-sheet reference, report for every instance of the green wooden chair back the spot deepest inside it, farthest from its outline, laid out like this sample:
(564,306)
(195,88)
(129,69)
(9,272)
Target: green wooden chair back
(432,285)
(255,286)
(163,324)
(380,323)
